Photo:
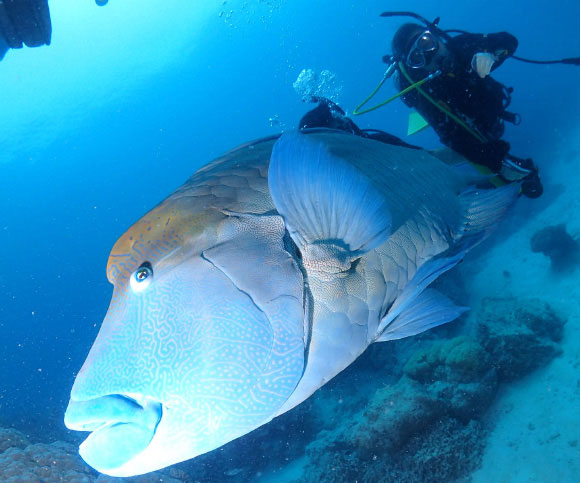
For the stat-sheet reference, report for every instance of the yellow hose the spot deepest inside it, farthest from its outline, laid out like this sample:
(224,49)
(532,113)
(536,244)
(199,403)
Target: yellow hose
(358,112)
(447,112)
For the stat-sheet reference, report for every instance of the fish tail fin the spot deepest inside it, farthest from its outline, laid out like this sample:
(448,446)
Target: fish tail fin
(417,308)
(483,210)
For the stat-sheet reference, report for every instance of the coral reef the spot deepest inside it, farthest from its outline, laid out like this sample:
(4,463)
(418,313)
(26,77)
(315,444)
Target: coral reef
(22,462)
(426,427)
(446,453)
(457,373)
(557,244)
(452,378)
(520,335)
(11,438)
(422,425)
(44,462)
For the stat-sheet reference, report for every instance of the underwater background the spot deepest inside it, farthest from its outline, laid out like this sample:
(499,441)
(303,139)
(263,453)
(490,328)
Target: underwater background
(131,98)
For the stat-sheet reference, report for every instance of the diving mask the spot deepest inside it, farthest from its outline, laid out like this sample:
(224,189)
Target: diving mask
(425,46)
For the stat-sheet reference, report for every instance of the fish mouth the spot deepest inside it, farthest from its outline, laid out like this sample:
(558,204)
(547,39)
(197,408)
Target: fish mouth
(122,426)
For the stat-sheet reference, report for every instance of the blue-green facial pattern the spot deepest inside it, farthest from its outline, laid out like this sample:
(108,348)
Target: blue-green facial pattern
(196,349)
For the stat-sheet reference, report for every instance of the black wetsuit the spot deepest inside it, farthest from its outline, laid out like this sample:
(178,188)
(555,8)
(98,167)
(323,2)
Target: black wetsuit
(479,103)
(329,115)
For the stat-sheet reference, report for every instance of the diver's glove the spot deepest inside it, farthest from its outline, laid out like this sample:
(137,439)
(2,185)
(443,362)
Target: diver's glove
(532,186)
(482,62)
(516,169)
(524,170)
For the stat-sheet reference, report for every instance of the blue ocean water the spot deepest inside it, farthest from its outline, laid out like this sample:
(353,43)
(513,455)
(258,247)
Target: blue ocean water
(131,98)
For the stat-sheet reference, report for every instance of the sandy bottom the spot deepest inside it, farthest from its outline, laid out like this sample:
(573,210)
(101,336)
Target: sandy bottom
(536,421)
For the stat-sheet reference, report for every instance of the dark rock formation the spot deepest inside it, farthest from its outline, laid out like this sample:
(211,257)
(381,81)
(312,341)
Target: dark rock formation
(519,335)
(457,373)
(557,244)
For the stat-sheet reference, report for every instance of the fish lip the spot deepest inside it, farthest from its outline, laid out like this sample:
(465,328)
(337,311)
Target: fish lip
(117,402)
(135,417)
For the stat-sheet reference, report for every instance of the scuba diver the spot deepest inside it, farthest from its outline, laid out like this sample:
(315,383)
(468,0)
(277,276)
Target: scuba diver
(466,107)
(447,80)
(24,22)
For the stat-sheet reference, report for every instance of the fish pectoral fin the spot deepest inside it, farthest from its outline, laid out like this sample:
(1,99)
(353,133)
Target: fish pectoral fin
(429,309)
(331,209)
(410,296)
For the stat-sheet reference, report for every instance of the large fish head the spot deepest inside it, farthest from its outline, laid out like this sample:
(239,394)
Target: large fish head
(185,361)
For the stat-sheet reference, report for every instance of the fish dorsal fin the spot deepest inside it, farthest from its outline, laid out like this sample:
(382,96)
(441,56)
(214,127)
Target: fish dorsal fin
(332,210)
(483,210)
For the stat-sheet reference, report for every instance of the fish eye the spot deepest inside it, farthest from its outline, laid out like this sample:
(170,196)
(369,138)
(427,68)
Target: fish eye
(142,277)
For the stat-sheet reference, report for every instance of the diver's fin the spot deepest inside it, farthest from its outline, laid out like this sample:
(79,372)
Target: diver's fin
(426,274)
(416,123)
(430,309)
(326,202)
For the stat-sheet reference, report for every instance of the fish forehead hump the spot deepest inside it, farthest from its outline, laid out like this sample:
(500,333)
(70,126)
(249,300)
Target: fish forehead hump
(188,220)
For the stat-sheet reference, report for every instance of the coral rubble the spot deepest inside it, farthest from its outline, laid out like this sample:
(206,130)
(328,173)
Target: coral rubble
(11,438)
(56,462)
